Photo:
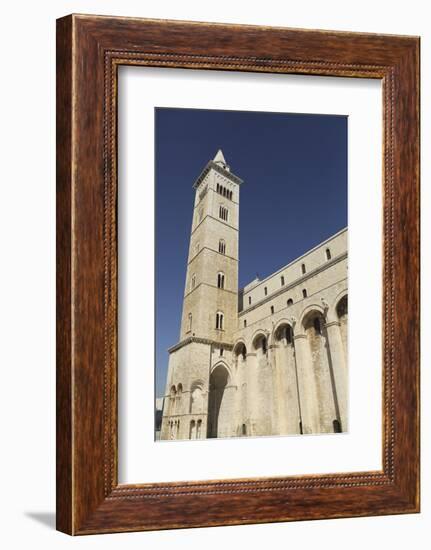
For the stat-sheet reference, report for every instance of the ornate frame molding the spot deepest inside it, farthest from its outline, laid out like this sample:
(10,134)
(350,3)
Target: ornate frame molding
(90,50)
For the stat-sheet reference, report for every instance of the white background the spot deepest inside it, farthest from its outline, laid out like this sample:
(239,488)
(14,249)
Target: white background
(27,277)
(141,458)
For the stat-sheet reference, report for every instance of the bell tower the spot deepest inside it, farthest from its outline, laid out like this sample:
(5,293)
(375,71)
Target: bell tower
(210,306)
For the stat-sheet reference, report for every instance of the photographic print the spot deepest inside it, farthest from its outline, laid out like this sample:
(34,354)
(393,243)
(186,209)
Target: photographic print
(251,274)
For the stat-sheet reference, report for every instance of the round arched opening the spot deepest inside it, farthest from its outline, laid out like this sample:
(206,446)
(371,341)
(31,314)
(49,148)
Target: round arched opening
(196,398)
(240,351)
(313,322)
(216,403)
(342,308)
(284,334)
(260,343)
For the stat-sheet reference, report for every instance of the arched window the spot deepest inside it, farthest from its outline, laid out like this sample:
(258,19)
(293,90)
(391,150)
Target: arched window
(178,399)
(219,320)
(196,399)
(223,213)
(172,396)
(192,430)
(304,292)
(282,280)
(222,246)
(218,188)
(328,254)
(193,283)
(190,322)
(303,270)
(243,429)
(289,302)
(198,429)
(220,280)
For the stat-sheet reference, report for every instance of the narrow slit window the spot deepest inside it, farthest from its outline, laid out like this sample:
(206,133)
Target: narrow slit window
(220,280)
(223,213)
(328,254)
(304,292)
(282,280)
(303,270)
(272,310)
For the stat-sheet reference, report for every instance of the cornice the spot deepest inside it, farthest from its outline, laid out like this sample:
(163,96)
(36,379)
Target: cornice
(197,340)
(218,169)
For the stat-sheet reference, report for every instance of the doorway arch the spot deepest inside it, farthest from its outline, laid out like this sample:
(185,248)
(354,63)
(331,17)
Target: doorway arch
(217,406)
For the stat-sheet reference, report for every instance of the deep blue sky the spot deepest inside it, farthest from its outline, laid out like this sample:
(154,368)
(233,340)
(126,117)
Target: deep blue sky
(294,194)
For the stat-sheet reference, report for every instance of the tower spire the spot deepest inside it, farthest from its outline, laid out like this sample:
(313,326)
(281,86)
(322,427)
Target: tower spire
(219,158)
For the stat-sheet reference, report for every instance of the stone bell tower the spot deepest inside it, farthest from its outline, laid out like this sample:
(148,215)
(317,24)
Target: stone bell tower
(210,305)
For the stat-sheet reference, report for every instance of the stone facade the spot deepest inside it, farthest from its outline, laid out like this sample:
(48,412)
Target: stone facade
(270,359)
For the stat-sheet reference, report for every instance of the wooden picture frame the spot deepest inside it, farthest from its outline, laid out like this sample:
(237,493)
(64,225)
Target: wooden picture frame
(89,51)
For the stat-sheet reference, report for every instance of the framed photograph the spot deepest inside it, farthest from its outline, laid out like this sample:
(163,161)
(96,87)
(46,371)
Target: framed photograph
(237,274)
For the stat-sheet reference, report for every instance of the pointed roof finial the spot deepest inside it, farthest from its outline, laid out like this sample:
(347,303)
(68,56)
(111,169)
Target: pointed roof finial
(219,158)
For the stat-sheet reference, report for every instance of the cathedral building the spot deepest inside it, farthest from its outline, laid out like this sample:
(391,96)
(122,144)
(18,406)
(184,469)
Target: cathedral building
(268,359)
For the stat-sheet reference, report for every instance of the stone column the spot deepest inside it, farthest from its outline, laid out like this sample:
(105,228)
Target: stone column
(307,385)
(252,392)
(339,369)
(272,388)
(241,415)
(279,392)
